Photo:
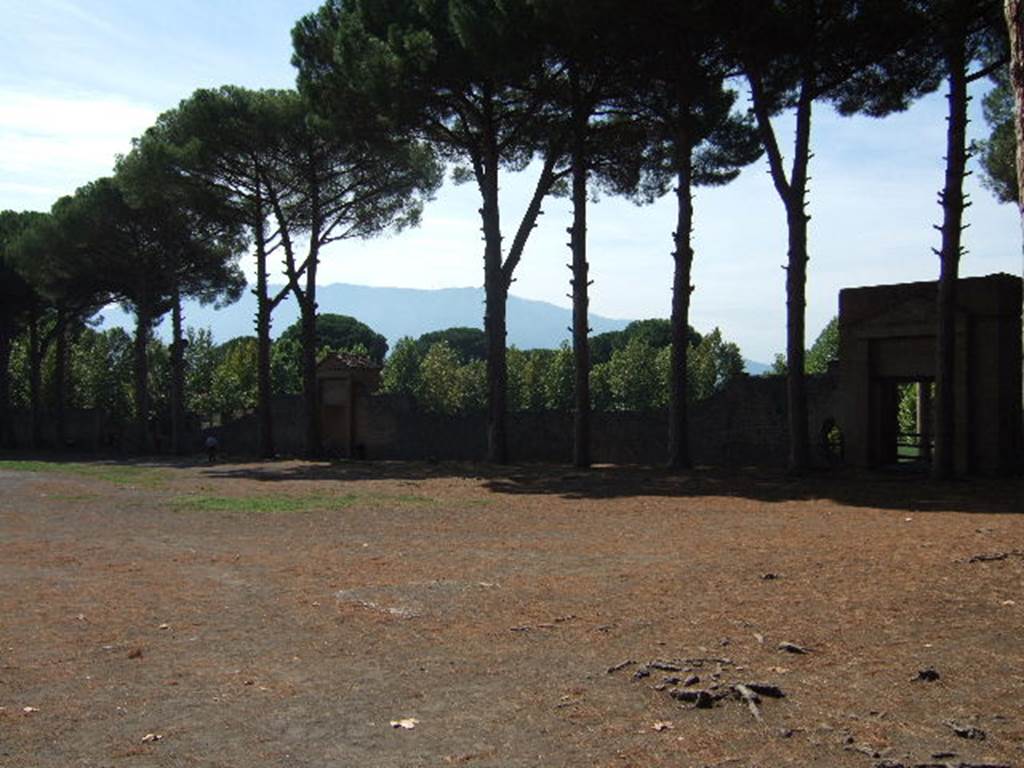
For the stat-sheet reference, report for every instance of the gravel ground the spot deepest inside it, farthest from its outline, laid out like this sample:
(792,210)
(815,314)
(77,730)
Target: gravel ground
(284,614)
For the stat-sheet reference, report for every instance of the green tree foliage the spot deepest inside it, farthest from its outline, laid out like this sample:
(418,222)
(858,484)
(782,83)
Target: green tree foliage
(234,386)
(589,81)
(344,181)
(638,375)
(518,379)
(680,66)
(957,42)
(825,348)
(823,351)
(341,333)
(471,79)
(17,301)
(66,289)
(716,363)
(201,235)
(335,333)
(141,249)
(1013,12)
(401,374)
(473,385)
(557,380)
(998,153)
(528,378)
(964,40)
(201,357)
(633,378)
(795,53)
(232,141)
(778,366)
(286,366)
(906,413)
(657,332)
(441,386)
(470,343)
(101,364)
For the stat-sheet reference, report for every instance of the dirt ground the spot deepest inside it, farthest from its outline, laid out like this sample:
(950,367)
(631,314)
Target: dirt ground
(284,614)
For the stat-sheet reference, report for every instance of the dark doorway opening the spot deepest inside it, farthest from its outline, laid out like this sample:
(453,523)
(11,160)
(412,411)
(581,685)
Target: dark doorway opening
(905,414)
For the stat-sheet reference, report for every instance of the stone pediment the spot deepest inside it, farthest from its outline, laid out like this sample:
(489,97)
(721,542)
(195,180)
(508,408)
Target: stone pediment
(910,312)
(914,317)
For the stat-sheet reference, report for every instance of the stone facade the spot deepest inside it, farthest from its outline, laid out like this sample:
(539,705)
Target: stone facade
(345,383)
(887,337)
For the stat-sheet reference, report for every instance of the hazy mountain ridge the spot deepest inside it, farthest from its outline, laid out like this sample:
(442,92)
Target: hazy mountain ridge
(393,312)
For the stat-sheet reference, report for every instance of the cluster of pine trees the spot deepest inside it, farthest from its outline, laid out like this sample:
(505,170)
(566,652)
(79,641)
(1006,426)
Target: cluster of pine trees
(640,101)
(443,371)
(446,371)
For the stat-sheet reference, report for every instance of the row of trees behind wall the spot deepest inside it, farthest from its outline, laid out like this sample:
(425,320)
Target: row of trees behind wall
(393,92)
(444,371)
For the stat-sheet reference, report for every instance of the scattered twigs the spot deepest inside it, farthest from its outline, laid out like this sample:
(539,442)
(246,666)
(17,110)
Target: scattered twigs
(751,698)
(620,666)
(991,557)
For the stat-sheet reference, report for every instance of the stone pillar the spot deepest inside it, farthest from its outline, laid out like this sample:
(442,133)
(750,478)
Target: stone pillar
(924,418)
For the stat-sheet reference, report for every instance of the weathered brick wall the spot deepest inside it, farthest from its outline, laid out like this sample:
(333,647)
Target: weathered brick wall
(241,437)
(85,429)
(743,425)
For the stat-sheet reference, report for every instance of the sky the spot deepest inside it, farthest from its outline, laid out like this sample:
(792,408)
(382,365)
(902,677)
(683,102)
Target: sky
(80,78)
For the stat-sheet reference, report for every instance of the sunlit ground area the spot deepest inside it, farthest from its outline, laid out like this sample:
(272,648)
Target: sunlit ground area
(296,614)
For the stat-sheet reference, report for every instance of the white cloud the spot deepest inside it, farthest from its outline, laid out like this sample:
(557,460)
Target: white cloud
(55,143)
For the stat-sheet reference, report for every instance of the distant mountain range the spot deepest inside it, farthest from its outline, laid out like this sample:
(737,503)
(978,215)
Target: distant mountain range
(394,312)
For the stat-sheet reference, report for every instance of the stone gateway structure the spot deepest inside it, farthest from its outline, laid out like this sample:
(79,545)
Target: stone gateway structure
(345,383)
(887,341)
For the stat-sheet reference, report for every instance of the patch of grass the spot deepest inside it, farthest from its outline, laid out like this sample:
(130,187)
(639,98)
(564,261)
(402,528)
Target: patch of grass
(120,474)
(260,504)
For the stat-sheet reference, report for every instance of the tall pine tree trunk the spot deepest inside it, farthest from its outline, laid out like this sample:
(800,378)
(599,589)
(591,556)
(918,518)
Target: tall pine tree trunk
(793,193)
(60,380)
(796,302)
(796,285)
(498,272)
(177,378)
(495,296)
(952,200)
(1015,28)
(678,426)
(580,278)
(309,383)
(264,388)
(35,381)
(141,375)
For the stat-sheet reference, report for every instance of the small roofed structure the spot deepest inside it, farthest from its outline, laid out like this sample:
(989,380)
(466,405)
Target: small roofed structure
(344,385)
(887,352)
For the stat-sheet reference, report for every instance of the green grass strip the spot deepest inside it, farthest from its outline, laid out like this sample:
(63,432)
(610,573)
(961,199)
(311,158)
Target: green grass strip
(120,474)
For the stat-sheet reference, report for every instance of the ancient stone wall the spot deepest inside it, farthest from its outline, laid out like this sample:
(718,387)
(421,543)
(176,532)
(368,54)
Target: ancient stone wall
(745,424)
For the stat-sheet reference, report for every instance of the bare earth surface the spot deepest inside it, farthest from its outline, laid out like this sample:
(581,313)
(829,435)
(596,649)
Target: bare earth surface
(284,614)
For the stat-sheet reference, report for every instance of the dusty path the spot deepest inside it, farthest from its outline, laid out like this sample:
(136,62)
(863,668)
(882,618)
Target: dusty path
(285,614)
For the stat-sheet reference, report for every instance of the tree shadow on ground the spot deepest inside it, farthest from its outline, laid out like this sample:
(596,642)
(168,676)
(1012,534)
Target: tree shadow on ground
(900,490)
(874,489)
